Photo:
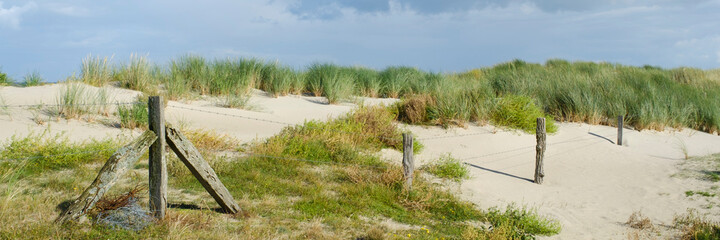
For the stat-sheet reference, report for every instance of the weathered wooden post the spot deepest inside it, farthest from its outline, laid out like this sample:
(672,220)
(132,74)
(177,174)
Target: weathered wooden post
(408,161)
(157,162)
(119,163)
(540,150)
(620,130)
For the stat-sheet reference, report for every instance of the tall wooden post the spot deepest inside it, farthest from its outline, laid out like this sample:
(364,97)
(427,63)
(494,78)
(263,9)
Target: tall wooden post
(620,130)
(540,150)
(157,163)
(408,161)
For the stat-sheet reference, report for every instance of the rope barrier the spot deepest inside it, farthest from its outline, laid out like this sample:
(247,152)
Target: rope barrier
(56,155)
(79,104)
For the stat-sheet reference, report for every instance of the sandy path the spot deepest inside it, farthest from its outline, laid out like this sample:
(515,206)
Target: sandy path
(591,185)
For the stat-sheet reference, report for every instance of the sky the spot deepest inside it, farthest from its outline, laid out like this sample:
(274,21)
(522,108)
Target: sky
(52,37)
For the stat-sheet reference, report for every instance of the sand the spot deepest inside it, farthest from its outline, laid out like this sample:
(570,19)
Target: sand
(591,186)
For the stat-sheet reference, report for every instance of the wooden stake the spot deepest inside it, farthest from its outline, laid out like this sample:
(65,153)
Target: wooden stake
(192,159)
(620,130)
(157,162)
(540,150)
(119,163)
(408,161)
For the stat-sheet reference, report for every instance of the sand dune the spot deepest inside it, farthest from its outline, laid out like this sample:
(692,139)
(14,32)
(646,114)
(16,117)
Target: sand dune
(591,186)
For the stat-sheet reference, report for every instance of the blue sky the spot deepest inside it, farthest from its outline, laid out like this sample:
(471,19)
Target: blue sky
(52,37)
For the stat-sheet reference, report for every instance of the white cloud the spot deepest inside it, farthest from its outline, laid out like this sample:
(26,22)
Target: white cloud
(10,17)
(72,11)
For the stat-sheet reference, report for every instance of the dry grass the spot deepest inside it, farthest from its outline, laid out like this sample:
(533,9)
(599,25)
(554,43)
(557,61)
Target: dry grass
(414,109)
(639,221)
(107,203)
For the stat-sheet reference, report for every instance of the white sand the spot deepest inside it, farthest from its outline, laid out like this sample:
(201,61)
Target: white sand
(591,185)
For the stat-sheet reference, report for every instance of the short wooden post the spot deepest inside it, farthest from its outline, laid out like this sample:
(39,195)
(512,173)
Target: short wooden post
(540,150)
(157,162)
(408,161)
(620,130)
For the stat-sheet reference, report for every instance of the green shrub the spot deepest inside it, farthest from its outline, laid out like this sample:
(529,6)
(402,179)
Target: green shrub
(448,167)
(521,113)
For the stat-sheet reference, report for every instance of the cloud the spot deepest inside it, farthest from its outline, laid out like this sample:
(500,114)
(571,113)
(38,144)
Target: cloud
(10,17)
(72,11)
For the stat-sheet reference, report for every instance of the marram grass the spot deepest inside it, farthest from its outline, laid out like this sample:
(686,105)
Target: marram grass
(649,97)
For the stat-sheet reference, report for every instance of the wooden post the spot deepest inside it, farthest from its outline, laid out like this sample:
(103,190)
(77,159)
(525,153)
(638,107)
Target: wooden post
(620,130)
(192,159)
(119,163)
(157,162)
(408,161)
(540,150)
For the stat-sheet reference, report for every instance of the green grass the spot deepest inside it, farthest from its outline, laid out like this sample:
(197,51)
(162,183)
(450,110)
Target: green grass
(520,112)
(4,79)
(133,116)
(33,79)
(280,80)
(76,100)
(700,193)
(330,81)
(96,71)
(448,167)
(596,93)
(342,194)
(137,75)
(45,151)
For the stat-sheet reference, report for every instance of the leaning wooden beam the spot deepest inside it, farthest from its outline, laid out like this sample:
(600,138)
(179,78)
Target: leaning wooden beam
(190,156)
(119,163)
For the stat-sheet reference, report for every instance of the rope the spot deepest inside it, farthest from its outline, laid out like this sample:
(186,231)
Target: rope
(232,115)
(79,104)
(56,155)
(246,154)
(454,136)
(313,161)
(283,123)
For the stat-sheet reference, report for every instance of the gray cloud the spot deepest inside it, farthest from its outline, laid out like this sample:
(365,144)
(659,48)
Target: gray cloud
(10,17)
(454,36)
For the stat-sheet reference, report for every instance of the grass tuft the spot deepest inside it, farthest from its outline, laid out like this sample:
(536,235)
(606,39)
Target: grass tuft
(133,116)
(694,227)
(521,113)
(521,223)
(639,221)
(96,71)
(448,167)
(33,79)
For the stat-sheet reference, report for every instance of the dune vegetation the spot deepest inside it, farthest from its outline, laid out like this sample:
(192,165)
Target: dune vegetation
(648,97)
(342,193)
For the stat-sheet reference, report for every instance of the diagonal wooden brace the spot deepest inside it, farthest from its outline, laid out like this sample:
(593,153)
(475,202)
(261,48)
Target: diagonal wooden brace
(192,159)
